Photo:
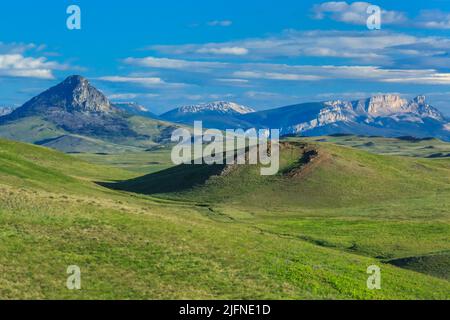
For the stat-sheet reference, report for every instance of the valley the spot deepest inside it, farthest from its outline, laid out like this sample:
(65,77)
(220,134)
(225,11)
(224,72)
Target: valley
(308,236)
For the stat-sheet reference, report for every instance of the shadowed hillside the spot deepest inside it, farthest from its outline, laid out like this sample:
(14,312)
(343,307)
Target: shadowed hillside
(311,175)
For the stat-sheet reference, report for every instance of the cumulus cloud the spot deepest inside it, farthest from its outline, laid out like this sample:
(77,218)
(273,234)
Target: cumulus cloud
(16,65)
(354,13)
(27,61)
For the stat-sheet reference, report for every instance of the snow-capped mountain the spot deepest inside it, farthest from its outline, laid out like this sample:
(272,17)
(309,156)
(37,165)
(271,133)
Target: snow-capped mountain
(221,107)
(387,115)
(135,109)
(384,115)
(219,114)
(6,110)
(371,111)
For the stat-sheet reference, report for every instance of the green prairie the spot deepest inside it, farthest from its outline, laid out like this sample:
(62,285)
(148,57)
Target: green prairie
(141,229)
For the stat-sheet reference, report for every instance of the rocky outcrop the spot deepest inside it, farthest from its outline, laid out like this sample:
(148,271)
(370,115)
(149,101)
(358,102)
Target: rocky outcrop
(375,110)
(75,94)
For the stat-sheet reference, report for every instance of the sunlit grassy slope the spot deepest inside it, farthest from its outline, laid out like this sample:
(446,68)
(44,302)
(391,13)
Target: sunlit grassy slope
(284,238)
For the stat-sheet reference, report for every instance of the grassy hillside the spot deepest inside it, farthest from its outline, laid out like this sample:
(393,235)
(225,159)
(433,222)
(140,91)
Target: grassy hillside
(379,206)
(53,214)
(337,177)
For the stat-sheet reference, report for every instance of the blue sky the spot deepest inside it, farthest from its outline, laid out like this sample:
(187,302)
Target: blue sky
(263,53)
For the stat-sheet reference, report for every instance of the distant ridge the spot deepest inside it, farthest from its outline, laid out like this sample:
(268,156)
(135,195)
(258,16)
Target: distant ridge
(382,115)
(219,114)
(387,115)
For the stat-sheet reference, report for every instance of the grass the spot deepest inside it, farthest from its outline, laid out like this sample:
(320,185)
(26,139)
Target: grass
(308,237)
(142,162)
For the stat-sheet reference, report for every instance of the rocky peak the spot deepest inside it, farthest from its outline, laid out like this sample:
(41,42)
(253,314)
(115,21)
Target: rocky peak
(77,94)
(380,105)
(75,81)
(74,94)
(420,106)
(420,99)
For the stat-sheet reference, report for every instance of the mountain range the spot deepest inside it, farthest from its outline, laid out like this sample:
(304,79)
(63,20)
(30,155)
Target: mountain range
(220,114)
(381,115)
(74,116)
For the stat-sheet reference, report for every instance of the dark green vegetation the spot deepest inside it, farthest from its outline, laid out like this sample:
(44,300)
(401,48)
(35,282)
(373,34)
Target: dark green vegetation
(434,264)
(214,232)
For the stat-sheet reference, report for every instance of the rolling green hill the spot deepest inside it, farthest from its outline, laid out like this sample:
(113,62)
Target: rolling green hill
(336,177)
(191,245)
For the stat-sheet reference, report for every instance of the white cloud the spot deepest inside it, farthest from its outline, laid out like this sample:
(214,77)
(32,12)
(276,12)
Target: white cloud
(207,97)
(240,73)
(15,62)
(131,96)
(430,78)
(383,48)
(165,63)
(363,56)
(261,94)
(123,96)
(140,80)
(14,48)
(280,72)
(236,51)
(354,13)
(220,23)
(276,76)
(233,80)
(144,81)
(370,47)
(434,19)
(16,65)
